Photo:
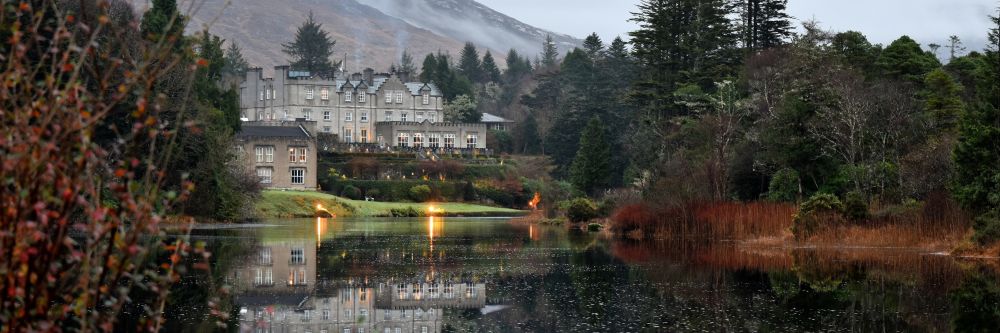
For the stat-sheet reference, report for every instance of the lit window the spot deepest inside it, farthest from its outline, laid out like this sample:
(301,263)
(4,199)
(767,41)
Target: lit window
(403,140)
(427,98)
(296,154)
(348,116)
(348,135)
(324,94)
(402,116)
(362,97)
(399,97)
(388,116)
(347,96)
(326,115)
(364,117)
(470,141)
(264,174)
(364,136)
(449,141)
(309,93)
(418,140)
(434,140)
(265,154)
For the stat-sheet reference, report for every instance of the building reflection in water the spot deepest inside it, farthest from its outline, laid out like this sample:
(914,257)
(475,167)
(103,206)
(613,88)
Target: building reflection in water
(278,290)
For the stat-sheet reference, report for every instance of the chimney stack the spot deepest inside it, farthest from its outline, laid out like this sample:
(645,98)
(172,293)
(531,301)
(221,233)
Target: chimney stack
(369,76)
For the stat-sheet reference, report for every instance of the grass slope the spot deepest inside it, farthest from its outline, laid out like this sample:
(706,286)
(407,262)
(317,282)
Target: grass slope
(286,204)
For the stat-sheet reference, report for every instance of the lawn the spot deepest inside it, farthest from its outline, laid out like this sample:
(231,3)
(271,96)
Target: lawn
(282,204)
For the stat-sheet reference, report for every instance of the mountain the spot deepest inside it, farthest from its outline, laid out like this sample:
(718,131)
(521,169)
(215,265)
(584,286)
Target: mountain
(369,33)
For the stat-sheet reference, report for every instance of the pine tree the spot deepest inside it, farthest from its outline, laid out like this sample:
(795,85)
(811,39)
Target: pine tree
(312,48)
(904,59)
(765,24)
(517,67)
(550,55)
(594,46)
(943,99)
(531,142)
(236,65)
(468,63)
(163,20)
(491,73)
(428,71)
(406,64)
(591,168)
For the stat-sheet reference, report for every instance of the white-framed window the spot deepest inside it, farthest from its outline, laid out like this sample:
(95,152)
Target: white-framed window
(264,175)
(324,94)
(388,97)
(432,116)
(310,93)
(471,140)
(262,95)
(348,96)
(399,97)
(327,115)
(270,92)
(427,98)
(327,129)
(265,154)
(402,116)
(434,140)
(449,140)
(420,116)
(364,117)
(307,113)
(418,140)
(348,116)
(297,154)
(260,115)
(263,277)
(298,254)
(403,140)
(326,314)
(388,116)
(364,135)
(362,97)
(265,256)
(348,135)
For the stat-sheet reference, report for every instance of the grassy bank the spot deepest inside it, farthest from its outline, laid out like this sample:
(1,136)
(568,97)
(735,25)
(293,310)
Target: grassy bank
(285,204)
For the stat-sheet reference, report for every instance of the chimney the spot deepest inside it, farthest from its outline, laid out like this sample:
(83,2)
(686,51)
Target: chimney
(404,76)
(369,76)
(356,77)
(281,72)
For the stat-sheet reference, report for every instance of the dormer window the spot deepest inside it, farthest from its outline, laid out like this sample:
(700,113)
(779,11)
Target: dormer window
(427,98)
(309,93)
(347,96)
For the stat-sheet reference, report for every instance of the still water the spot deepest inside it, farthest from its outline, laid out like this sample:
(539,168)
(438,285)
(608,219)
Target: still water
(494,275)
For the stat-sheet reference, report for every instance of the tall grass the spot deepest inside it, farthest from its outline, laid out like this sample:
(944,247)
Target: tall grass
(722,220)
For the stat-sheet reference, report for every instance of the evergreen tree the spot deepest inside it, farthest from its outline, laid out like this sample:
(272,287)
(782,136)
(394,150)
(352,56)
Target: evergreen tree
(517,67)
(406,64)
(462,110)
(235,65)
(856,50)
(591,168)
(491,73)
(904,59)
(550,55)
(163,22)
(765,24)
(312,48)
(955,47)
(594,46)
(531,143)
(469,64)
(943,99)
(429,70)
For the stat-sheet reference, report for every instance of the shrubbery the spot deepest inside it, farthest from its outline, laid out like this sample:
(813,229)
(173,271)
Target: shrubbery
(404,212)
(580,210)
(855,207)
(784,186)
(420,193)
(820,209)
(351,192)
(987,228)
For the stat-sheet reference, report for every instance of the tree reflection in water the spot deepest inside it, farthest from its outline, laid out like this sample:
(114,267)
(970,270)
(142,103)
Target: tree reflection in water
(492,275)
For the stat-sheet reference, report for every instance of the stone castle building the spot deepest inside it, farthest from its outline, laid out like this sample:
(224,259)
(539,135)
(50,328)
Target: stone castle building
(282,154)
(366,108)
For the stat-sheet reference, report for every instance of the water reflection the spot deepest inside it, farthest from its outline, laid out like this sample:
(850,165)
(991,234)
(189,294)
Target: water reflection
(472,275)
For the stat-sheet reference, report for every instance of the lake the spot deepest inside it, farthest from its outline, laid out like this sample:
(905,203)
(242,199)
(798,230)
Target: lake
(495,275)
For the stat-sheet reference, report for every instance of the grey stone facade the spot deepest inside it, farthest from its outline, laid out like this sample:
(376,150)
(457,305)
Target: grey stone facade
(281,154)
(431,135)
(348,106)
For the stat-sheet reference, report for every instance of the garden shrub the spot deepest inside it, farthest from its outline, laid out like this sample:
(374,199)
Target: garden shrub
(784,186)
(581,210)
(420,193)
(855,207)
(351,192)
(469,191)
(820,210)
(404,212)
(374,193)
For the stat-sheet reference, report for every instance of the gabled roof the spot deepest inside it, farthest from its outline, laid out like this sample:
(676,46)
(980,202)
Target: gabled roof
(489,118)
(273,132)
(416,87)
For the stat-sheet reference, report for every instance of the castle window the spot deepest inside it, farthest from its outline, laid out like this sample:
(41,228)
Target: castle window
(364,117)
(434,140)
(262,95)
(265,154)
(470,141)
(298,178)
(324,94)
(418,140)
(403,140)
(348,135)
(420,117)
(362,97)
(347,96)
(348,116)
(399,97)
(309,93)
(264,175)
(296,154)
(427,98)
(449,141)
(326,115)
(388,97)
(402,116)
(432,116)
(388,116)
(364,136)
(307,113)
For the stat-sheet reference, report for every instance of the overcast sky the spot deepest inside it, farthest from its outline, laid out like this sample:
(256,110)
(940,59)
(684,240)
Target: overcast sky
(927,21)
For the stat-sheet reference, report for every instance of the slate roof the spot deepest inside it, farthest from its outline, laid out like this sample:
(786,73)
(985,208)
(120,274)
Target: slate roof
(273,132)
(489,118)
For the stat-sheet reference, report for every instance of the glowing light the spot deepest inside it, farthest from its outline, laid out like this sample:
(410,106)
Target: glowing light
(535,200)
